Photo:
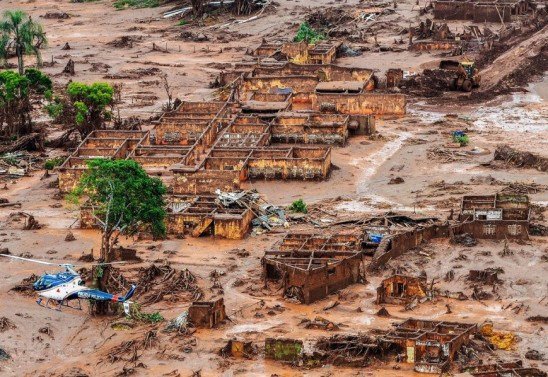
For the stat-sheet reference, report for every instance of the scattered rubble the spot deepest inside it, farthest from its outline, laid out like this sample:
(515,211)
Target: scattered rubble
(6,324)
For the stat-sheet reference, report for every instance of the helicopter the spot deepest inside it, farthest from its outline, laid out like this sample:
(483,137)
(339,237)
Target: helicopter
(67,285)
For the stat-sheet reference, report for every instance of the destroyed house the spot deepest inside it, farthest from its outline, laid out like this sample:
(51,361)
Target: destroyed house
(401,289)
(430,345)
(349,350)
(504,369)
(500,11)
(207,314)
(314,241)
(321,88)
(496,216)
(312,275)
(301,52)
(98,144)
(199,215)
(196,215)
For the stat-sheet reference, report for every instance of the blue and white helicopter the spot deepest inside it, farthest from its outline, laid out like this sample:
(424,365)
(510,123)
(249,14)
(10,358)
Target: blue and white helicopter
(66,286)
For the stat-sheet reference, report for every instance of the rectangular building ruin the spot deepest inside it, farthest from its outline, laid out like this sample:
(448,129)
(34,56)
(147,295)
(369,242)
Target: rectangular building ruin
(497,216)
(431,345)
(310,276)
(401,289)
(203,214)
(196,215)
(207,314)
(208,145)
(481,10)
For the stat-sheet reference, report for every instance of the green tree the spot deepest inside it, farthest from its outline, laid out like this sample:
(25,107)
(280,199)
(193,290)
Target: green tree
(15,106)
(124,200)
(21,35)
(89,105)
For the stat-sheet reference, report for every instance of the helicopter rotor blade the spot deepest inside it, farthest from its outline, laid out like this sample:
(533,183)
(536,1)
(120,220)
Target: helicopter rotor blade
(29,260)
(98,264)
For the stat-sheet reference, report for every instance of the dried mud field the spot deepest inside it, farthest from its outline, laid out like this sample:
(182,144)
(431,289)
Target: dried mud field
(137,48)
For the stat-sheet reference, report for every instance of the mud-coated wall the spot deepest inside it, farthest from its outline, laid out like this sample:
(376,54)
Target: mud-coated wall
(267,84)
(394,246)
(362,103)
(492,13)
(290,168)
(434,45)
(68,179)
(321,282)
(232,227)
(205,181)
(467,10)
(402,242)
(323,72)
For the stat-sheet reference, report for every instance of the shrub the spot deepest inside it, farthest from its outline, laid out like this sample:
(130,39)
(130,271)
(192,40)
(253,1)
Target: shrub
(53,162)
(461,138)
(40,82)
(137,4)
(298,206)
(308,34)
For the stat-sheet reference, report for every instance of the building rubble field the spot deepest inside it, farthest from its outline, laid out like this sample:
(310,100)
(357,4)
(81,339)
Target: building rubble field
(332,208)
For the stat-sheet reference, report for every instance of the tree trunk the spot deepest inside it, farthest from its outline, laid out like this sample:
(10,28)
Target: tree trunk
(105,246)
(39,61)
(101,307)
(20,64)
(197,7)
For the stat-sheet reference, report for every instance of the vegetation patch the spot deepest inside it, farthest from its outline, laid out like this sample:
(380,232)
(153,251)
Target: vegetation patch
(136,4)
(308,34)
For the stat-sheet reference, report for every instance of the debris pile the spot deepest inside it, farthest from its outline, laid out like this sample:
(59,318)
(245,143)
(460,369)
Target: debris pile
(25,286)
(6,324)
(319,323)
(465,239)
(160,283)
(349,350)
(154,283)
(29,222)
(511,156)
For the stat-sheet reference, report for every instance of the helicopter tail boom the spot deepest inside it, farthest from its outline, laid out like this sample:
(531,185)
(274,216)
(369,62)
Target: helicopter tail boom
(95,294)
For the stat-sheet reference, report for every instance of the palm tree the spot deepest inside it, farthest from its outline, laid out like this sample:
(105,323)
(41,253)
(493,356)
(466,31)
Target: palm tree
(19,33)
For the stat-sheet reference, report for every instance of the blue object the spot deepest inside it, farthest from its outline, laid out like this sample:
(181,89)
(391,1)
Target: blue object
(376,238)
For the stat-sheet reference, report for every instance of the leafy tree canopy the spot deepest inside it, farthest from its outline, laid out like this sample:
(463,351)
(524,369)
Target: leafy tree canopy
(13,86)
(38,81)
(90,102)
(124,197)
(15,106)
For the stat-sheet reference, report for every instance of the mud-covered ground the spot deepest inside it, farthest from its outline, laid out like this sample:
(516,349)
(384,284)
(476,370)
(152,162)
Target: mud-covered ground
(416,148)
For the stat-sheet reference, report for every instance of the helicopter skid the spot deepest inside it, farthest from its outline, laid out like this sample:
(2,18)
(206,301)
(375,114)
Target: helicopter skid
(58,304)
